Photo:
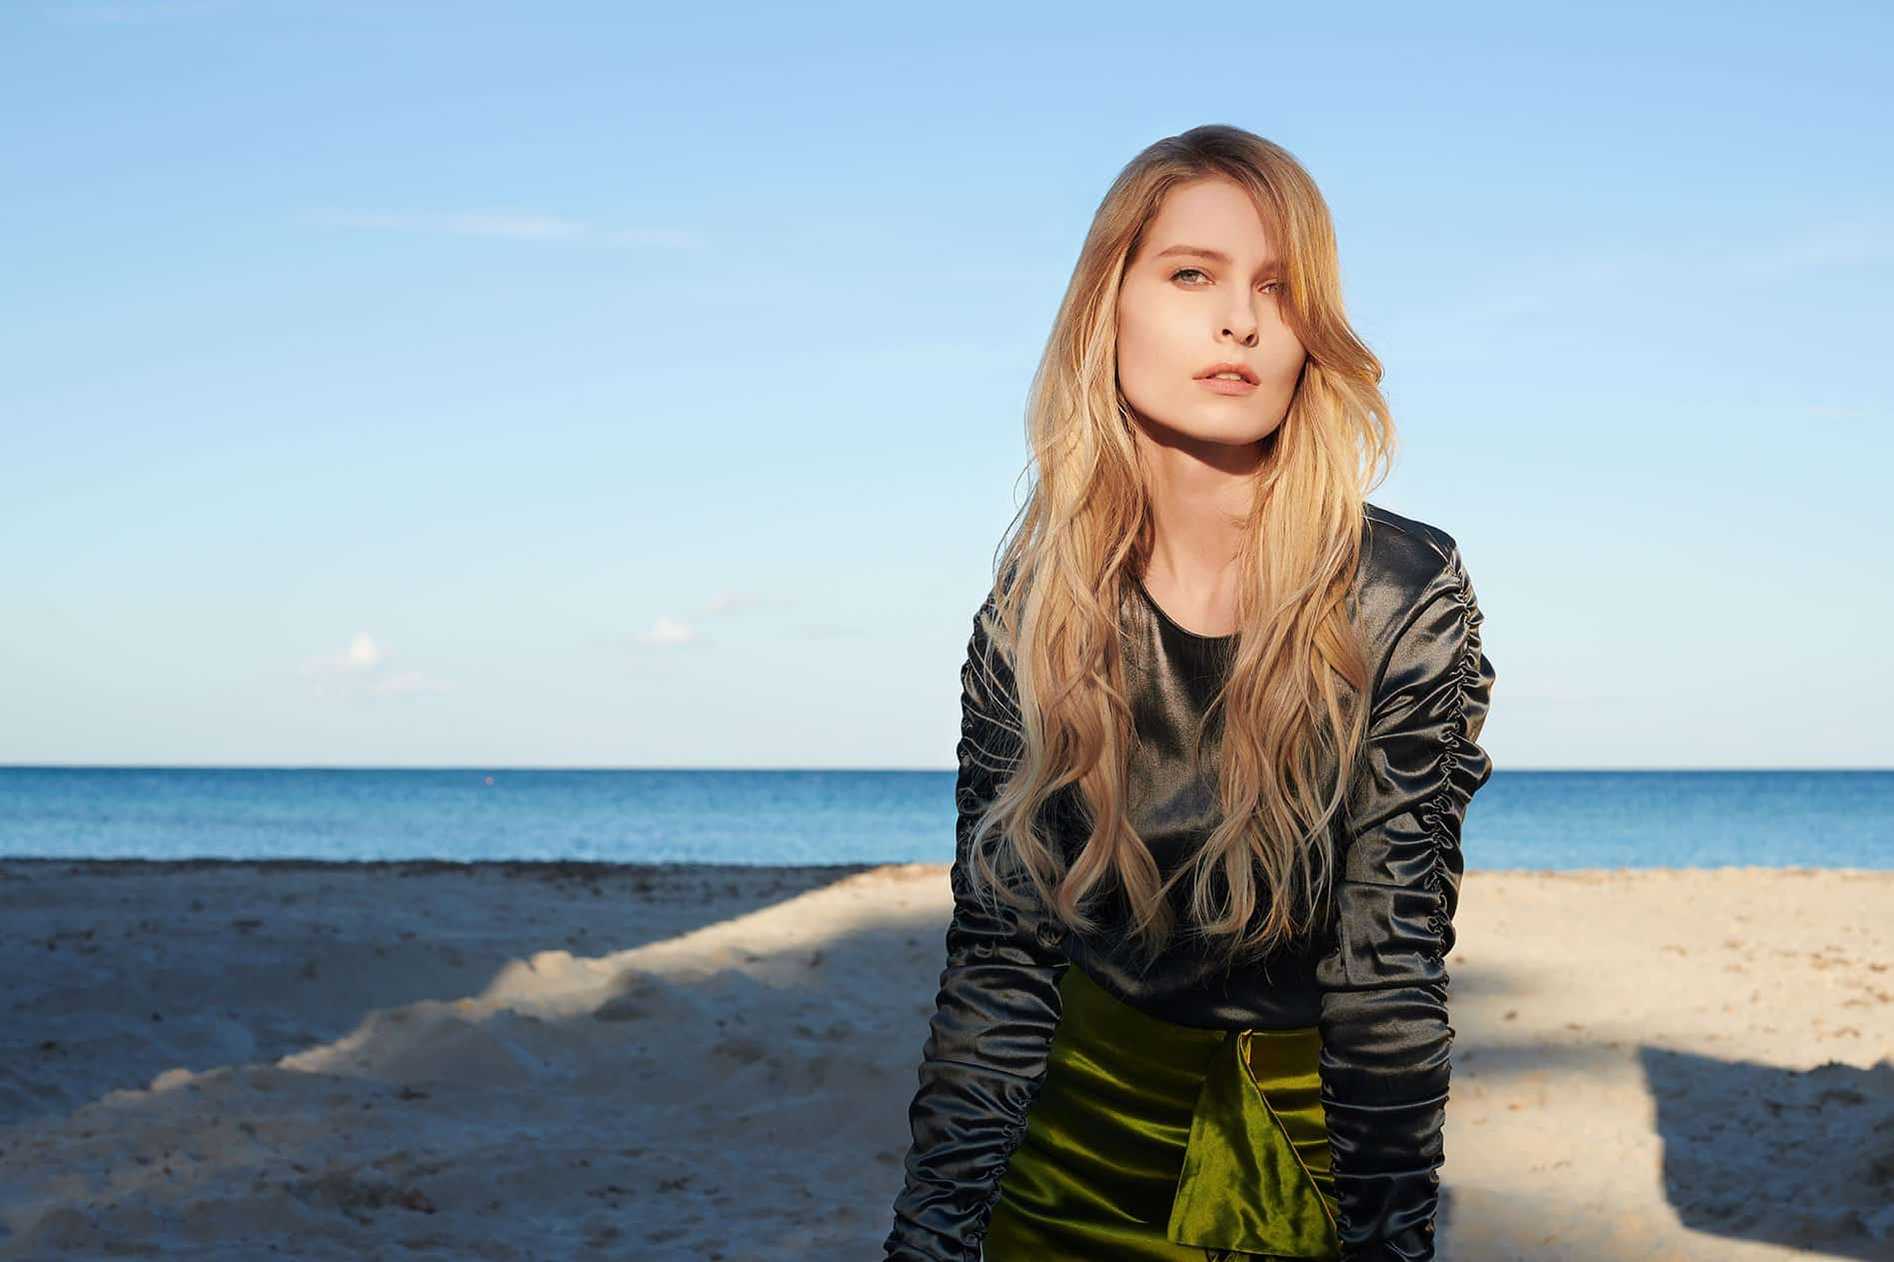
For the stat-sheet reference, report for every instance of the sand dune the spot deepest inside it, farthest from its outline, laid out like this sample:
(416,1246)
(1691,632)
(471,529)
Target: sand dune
(572,1061)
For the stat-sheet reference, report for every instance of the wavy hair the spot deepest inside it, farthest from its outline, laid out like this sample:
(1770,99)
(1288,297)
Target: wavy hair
(1290,710)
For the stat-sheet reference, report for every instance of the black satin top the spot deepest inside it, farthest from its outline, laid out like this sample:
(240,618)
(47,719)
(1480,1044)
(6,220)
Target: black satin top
(1376,983)
(1171,674)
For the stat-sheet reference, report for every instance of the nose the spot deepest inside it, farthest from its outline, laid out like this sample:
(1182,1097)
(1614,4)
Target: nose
(1242,326)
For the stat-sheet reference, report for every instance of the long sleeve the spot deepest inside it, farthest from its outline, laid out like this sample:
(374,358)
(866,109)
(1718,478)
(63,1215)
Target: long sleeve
(986,1052)
(1385,1036)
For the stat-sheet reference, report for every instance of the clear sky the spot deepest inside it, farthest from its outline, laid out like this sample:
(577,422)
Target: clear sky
(594,384)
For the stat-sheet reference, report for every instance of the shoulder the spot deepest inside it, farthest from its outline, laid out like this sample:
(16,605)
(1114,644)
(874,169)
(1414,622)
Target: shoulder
(1393,546)
(1407,566)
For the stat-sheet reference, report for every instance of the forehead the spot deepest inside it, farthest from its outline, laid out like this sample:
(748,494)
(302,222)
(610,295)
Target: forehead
(1215,215)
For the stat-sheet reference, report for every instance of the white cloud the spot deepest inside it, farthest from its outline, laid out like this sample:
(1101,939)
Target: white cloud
(668,632)
(362,667)
(362,654)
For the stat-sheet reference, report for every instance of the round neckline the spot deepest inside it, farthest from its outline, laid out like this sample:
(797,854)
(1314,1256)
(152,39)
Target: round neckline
(1158,609)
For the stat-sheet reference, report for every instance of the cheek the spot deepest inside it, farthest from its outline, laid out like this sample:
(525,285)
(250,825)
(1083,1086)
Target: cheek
(1282,356)
(1145,357)
(1288,360)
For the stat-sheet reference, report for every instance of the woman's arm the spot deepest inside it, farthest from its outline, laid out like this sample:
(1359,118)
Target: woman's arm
(1385,1036)
(986,1052)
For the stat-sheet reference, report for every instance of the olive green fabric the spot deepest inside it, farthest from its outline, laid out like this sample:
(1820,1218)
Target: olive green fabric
(1154,1142)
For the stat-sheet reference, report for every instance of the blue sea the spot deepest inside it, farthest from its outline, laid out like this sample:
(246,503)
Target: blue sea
(1521,819)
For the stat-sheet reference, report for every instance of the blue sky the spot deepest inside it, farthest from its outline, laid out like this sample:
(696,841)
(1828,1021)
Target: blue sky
(585,384)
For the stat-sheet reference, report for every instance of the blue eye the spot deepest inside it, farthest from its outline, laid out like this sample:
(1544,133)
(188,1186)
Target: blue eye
(1199,271)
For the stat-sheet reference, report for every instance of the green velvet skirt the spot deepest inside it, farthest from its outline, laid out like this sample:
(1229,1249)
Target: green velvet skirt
(1152,1141)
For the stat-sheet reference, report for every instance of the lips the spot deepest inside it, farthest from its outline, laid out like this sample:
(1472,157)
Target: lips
(1242,370)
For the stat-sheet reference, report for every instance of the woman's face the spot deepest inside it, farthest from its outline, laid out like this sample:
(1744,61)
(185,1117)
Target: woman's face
(1204,289)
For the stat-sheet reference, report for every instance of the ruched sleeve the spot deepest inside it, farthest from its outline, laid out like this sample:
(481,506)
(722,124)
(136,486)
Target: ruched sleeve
(1385,1036)
(986,1052)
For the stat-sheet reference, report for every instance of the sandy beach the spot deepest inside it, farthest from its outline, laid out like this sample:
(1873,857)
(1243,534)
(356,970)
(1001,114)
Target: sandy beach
(571,1061)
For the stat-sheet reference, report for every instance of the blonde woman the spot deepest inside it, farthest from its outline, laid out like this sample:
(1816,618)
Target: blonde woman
(1219,731)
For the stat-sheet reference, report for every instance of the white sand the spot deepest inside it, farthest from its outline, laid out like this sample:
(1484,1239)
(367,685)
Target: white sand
(239,1061)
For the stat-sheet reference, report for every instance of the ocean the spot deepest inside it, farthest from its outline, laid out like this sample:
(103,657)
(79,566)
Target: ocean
(1520,820)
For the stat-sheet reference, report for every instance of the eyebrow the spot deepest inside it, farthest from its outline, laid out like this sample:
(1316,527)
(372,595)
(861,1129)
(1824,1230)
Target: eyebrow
(1205,252)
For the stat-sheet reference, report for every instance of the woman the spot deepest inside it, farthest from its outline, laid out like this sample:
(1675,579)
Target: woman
(1219,725)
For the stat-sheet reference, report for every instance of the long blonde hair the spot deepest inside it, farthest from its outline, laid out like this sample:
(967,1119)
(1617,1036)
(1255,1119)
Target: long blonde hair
(1290,708)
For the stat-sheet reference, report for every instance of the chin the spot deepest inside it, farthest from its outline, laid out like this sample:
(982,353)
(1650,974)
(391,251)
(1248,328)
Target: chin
(1193,422)
(1222,430)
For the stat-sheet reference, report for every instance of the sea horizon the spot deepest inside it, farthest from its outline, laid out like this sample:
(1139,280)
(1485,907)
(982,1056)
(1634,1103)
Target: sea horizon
(1525,819)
